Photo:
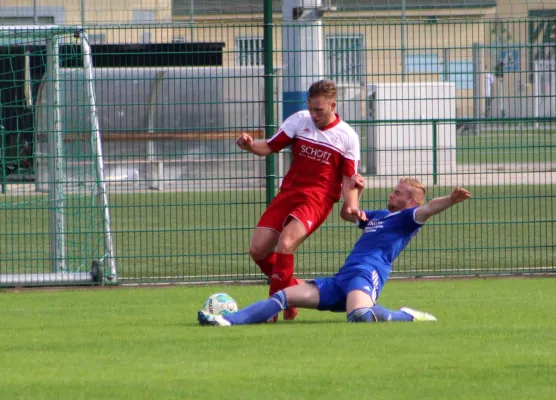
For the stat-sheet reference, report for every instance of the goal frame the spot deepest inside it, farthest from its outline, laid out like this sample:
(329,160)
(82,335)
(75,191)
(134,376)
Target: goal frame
(103,269)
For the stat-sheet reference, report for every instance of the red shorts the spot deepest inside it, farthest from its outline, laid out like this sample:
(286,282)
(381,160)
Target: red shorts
(307,211)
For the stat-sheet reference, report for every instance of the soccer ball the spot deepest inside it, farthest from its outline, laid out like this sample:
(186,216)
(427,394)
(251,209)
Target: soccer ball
(220,304)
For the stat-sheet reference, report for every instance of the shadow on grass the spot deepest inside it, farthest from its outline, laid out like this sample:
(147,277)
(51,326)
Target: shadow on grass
(279,323)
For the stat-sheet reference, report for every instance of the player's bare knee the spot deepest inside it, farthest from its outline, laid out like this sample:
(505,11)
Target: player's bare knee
(255,254)
(258,252)
(286,245)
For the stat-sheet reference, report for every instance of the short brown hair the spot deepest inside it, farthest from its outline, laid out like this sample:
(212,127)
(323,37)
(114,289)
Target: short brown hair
(325,88)
(418,189)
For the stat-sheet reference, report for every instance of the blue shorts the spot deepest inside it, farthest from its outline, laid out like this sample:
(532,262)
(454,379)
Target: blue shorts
(333,290)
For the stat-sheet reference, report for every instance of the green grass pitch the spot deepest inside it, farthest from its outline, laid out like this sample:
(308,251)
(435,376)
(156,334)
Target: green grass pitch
(505,147)
(494,340)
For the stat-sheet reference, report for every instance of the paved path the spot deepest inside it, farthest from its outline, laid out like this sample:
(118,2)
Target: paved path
(482,175)
(465,175)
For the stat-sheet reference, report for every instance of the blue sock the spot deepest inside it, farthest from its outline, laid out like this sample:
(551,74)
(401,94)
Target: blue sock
(382,314)
(260,311)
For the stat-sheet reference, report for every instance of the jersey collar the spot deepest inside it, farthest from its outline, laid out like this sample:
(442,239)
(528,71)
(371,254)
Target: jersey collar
(392,214)
(332,124)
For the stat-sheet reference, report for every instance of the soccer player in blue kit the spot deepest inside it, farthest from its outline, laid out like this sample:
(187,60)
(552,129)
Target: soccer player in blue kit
(356,286)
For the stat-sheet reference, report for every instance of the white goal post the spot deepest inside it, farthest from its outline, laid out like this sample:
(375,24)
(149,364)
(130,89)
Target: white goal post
(66,265)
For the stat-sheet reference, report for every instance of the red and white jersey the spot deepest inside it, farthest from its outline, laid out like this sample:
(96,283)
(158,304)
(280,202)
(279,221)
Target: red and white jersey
(320,157)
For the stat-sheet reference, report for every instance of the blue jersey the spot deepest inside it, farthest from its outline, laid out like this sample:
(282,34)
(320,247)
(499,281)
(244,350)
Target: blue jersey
(384,237)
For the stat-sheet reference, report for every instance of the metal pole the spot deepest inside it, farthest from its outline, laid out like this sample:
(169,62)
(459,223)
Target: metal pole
(302,52)
(191,17)
(434,152)
(3,161)
(500,42)
(109,257)
(82,12)
(404,72)
(155,168)
(536,91)
(501,96)
(27,92)
(477,92)
(269,96)
(35,12)
(446,63)
(56,179)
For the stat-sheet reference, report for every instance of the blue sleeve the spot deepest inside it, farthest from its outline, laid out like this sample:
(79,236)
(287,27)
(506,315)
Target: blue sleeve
(408,220)
(370,214)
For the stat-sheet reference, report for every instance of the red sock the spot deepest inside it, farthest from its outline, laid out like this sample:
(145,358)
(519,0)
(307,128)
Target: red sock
(282,273)
(267,264)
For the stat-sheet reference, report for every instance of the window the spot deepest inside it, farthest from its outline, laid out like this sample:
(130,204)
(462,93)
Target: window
(97,38)
(145,37)
(143,16)
(426,63)
(510,58)
(249,51)
(460,72)
(343,58)
(42,20)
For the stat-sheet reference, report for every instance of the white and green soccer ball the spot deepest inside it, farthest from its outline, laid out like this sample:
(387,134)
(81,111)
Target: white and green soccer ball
(220,304)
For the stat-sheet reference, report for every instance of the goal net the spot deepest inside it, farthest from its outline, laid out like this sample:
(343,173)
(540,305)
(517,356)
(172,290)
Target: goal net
(54,210)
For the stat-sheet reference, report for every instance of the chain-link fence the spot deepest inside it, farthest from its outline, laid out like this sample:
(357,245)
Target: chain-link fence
(469,102)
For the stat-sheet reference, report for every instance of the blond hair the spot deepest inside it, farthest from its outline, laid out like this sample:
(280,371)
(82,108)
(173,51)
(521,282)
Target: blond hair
(325,88)
(417,189)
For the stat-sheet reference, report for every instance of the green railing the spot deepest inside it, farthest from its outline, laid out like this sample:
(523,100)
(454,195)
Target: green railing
(184,199)
(3,158)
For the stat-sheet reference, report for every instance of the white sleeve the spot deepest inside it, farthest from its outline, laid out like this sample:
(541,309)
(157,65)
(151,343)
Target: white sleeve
(291,125)
(353,149)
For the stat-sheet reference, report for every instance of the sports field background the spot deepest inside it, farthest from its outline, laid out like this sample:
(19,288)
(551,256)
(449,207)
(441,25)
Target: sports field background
(494,338)
(191,236)
(193,223)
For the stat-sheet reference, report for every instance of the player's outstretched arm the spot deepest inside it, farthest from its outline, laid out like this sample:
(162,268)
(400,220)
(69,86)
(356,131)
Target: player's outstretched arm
(352,188)
(439,204)
(259,147)
(352,214)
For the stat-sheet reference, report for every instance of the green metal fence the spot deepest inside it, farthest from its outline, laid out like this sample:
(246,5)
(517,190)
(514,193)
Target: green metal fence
(466,102)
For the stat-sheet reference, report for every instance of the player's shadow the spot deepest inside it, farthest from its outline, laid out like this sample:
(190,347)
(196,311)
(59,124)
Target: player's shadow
(313,322)
(279,323)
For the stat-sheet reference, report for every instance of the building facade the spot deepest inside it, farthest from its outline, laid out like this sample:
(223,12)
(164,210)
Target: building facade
(504,62)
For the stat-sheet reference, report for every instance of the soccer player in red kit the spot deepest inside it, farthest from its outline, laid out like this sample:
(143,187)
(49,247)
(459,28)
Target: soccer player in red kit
(326,154)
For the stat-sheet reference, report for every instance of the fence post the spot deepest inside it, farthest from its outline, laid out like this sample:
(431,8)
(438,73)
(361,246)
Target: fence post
(477,84)
(434,152)
(3,156)
(269,97)
(403,45)
(446,65)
